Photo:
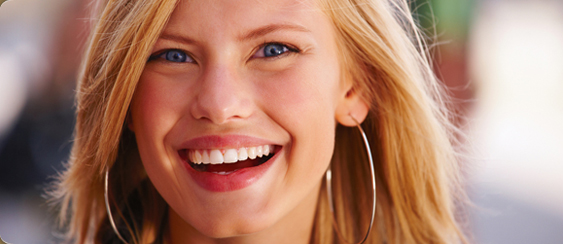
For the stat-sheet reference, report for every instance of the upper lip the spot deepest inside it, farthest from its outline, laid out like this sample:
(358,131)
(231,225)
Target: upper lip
(224,142)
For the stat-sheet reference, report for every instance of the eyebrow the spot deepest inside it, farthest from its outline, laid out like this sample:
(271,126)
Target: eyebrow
(253,34)
(177,38)
(264,30)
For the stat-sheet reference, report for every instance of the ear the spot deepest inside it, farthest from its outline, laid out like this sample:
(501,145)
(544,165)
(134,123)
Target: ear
(351,105)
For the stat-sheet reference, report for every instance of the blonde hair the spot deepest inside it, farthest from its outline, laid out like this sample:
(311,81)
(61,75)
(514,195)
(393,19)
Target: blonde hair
(384,55)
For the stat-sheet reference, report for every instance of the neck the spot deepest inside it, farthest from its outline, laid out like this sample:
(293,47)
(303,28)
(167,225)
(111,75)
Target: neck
(295,227)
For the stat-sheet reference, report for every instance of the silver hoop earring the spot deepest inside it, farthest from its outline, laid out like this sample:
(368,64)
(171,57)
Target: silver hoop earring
(108,209)
(328,177)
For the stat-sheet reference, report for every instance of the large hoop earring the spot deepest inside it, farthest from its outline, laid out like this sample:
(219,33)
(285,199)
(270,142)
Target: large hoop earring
(328,177)
(108,209)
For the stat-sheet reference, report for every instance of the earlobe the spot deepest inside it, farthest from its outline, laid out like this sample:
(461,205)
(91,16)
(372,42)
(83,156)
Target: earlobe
(351,105)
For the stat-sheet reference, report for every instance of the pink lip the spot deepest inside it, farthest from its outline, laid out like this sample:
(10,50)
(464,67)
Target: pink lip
(233,181)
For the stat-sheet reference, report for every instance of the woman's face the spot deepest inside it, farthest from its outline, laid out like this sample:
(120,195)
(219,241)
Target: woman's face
(227,79)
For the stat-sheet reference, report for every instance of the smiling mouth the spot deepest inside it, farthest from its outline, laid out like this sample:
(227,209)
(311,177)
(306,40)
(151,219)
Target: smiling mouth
(227,161)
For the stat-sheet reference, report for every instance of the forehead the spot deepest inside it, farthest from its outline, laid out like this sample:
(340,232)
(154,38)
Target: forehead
(218,17)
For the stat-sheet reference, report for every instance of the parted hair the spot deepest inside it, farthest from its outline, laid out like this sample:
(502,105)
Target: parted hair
(382,51)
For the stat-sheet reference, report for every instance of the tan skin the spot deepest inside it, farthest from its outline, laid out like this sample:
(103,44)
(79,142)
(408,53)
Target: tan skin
(219,81)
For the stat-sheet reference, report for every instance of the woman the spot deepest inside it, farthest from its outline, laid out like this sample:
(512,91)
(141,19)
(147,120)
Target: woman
(215,121)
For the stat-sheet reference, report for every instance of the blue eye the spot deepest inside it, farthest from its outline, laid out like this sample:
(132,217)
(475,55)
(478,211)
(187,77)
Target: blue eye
(176,56)
(271,50)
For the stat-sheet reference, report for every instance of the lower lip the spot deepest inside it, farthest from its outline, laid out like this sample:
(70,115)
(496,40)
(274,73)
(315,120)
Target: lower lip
(233,181)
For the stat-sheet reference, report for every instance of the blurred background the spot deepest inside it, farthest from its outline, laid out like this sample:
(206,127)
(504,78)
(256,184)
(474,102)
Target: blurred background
(501,59)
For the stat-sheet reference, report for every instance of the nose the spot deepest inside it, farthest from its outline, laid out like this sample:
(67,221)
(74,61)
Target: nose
(222,96)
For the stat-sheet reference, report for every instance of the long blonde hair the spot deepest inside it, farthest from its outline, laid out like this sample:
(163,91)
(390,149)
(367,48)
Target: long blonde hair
(382,52)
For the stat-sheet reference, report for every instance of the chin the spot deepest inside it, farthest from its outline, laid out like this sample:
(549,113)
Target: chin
(220,231)
(221,228)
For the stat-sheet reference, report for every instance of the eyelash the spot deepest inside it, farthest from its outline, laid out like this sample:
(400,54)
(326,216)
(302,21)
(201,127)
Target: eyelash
(288,49)
(162,55)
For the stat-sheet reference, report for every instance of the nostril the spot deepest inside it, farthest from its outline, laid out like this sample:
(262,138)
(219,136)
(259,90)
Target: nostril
(214,115)
(220,110)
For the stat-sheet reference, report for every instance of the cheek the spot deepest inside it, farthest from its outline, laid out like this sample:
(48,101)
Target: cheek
(154,113)
(303,101)
(155,107)
(148,118)
(306,90)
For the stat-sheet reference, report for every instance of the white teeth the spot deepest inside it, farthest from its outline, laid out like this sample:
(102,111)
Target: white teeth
(217,156)
(242,154)
(259,151)
(205,157)
(252,153)
(230,156)
(198,157)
